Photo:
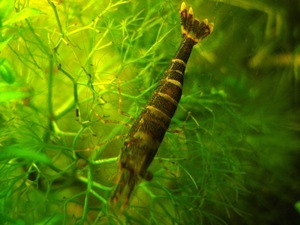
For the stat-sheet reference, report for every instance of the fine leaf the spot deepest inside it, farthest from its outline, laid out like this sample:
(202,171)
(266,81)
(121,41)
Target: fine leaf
(22,15)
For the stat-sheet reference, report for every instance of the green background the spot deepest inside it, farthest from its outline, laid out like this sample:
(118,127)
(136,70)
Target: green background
(75,74)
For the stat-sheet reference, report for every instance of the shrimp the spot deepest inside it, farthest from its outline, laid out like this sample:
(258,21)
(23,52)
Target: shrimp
(148,130)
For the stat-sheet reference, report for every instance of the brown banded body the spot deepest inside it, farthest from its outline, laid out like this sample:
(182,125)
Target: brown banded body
(148,130)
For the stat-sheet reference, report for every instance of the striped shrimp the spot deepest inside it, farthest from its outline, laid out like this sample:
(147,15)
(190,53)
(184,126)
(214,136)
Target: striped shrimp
(148,130)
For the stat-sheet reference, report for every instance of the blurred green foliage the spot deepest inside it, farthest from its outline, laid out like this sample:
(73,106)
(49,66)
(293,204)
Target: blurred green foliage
(71,70)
